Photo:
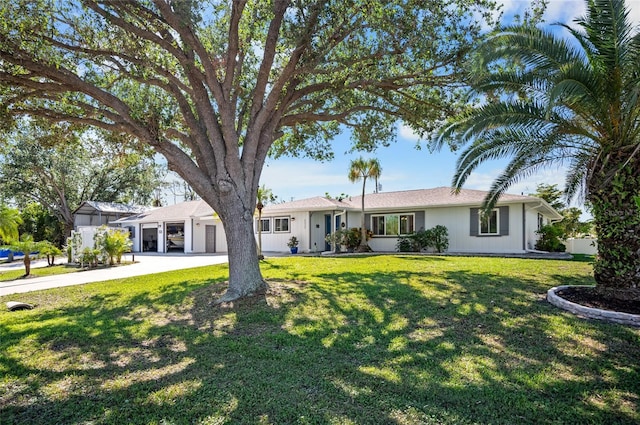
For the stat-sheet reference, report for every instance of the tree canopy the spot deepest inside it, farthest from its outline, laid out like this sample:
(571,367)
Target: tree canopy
(9,221)
(217,86)
(60,166)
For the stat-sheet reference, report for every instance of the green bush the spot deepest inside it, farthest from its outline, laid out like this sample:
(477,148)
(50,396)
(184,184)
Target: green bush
(89,257)
(113,243)
(349,238)
(436,238)
(50,250)
(406,244)
(440,238)
(550,239)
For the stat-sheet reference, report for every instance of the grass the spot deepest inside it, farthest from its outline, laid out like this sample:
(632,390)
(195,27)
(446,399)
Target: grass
(18,273)
(359,340)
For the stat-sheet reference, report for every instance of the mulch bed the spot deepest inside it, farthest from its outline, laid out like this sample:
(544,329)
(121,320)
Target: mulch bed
(590,298)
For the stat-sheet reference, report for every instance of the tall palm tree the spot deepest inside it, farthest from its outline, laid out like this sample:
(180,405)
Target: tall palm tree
(551,101)
(264,195)
(363,169)
(9,221)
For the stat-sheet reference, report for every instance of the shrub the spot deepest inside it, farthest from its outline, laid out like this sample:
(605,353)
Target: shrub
(112,243)
(440,238)
(550,239)
(89,257)
(407,244)
(436,238)
(50,250)
(350,238)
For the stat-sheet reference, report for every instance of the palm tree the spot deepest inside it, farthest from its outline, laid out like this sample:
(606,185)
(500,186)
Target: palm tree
(263,195)
(552,101)
(363,169)
(9,221)
(27,246)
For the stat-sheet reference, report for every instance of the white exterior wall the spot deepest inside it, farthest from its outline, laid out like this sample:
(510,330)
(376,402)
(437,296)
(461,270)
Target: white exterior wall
(317,232)
(298,227)
(199,235)
(457,221)
(531,237)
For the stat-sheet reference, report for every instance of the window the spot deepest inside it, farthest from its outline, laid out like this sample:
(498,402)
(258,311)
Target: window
(540,221)
(392,224)
(281,224)
(489,225)
(265,225)
(496,224)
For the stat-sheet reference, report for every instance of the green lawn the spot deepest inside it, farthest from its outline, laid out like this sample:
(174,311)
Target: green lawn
(18,273)
(352,340)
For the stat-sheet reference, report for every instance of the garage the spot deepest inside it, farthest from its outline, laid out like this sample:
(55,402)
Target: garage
(175,237)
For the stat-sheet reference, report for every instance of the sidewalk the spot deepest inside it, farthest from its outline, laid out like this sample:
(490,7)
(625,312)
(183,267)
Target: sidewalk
(146,263)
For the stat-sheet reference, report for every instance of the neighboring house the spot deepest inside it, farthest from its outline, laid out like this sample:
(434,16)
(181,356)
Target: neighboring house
(510,229)
(92,213)
(193,226)
(189,227)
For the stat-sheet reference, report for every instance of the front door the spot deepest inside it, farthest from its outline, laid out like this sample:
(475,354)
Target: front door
(210,238)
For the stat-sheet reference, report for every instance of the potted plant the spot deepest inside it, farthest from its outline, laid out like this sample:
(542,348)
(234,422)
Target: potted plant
(293,244)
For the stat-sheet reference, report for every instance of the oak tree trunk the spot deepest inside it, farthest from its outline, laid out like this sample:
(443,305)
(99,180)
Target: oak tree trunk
(245,277)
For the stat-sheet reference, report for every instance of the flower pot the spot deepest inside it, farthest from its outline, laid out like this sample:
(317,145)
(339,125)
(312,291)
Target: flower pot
(294,250)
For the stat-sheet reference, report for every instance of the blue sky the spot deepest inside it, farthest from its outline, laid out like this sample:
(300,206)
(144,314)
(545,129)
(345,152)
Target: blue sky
(404,167)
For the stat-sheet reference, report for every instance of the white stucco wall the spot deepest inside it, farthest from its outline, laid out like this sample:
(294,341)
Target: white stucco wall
(277,241)
(457,221)
(199,235)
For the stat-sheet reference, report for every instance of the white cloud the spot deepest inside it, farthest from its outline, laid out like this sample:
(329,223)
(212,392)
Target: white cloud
(483,180)
(407,133)
(562,10)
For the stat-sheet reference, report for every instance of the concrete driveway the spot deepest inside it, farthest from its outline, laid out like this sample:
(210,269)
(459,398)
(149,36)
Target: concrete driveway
(146,263)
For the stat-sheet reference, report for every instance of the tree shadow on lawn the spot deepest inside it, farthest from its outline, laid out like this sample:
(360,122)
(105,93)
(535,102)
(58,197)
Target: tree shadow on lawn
(376,347)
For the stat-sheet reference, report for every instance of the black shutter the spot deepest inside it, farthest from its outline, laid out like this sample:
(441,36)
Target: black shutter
(419,221)
(473,224)
(504,221)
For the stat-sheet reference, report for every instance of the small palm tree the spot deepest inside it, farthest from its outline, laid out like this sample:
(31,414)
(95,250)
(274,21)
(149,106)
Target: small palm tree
(9,221)
(553,101)
(363,169)
(26,245)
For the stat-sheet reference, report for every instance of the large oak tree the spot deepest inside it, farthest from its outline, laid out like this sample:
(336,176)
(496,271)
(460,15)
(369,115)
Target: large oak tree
(216,86)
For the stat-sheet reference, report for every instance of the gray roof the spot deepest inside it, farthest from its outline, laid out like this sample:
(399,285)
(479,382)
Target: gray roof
(437,197)
(385,201)
(318,203)
(177,212)
(92,207)
(407,199)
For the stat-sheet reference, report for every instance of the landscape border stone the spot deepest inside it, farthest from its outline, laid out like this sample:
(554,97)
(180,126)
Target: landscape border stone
(589,312)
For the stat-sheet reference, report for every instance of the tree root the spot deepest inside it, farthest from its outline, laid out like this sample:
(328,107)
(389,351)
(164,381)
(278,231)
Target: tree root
(231,296)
